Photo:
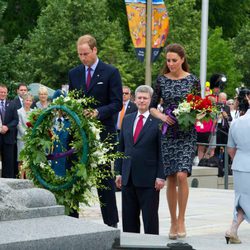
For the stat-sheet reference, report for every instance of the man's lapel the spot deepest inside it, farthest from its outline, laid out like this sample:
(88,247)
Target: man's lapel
(131,127)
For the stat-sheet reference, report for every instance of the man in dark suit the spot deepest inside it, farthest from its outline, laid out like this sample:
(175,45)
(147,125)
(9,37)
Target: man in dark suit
(22,89)
(223,120)
(103,82)
(140,173)
(9,121)
(128,107)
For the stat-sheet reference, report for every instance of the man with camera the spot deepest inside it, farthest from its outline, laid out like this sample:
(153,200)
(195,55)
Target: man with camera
(223,119)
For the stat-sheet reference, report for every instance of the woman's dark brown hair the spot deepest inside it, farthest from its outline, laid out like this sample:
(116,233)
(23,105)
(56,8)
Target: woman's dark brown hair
(178,49)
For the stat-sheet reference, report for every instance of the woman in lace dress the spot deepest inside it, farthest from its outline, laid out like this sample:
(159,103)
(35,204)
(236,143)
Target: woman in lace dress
(178,147)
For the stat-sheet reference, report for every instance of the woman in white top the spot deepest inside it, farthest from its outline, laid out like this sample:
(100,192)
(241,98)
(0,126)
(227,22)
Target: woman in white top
(23,114)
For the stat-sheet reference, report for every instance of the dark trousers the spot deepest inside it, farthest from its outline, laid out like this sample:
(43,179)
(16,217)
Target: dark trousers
(136,199)
(8,159)
(108,202)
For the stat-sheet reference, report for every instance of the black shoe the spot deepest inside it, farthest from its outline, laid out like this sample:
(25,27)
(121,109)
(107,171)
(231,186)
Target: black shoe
(114,225)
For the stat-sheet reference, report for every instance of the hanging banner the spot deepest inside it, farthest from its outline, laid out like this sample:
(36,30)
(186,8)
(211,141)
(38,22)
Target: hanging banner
(136,13)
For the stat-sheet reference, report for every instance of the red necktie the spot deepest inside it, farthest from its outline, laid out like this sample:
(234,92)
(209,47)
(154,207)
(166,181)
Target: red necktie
(88,78)
(138,128)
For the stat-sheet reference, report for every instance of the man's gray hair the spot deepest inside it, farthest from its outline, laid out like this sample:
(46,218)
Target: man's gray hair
(144,89)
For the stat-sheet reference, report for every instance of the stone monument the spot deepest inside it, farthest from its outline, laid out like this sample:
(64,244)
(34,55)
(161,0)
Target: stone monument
(31,219)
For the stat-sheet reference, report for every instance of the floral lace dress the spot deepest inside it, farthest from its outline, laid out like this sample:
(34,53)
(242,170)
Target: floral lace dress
(178,147)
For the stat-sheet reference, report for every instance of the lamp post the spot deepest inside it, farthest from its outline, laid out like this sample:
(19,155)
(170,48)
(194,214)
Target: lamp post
(203,50)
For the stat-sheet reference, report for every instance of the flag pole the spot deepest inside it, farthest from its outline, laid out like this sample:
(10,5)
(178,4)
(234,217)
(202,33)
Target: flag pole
(148,68)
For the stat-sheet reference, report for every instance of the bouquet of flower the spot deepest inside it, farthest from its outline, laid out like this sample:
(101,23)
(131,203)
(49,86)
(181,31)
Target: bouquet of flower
(194,109)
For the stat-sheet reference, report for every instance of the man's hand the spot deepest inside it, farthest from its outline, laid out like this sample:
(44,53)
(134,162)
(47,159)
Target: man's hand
(118,181)
(224,114)
(159,184)
(90,113)
(4,129)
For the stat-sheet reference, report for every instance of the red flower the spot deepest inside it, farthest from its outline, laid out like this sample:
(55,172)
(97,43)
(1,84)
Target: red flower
(50,134)
(189,97)
(29,125)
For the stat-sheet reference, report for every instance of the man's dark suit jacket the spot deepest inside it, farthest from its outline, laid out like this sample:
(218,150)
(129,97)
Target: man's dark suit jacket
(18,105)
(223,128)
(8,140)
(131,108)
(106,88)
(11,121)
(143,159)
(139,169)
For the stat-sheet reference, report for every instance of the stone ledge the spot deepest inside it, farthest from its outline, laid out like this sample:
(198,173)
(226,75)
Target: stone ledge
(204,171)
(57,233)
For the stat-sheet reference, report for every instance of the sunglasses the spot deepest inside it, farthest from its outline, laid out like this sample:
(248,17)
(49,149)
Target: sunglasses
(125,93)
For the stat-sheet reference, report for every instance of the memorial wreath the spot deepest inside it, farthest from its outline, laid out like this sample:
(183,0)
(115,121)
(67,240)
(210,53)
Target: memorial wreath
(86,155)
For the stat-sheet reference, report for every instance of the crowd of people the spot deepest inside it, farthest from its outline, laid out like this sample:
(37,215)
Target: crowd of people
(14,116)
(151,157)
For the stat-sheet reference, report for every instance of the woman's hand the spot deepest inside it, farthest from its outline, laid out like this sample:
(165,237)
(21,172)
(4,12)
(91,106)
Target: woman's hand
(167,119)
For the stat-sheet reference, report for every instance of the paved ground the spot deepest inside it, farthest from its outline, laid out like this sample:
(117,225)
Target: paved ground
(209,214)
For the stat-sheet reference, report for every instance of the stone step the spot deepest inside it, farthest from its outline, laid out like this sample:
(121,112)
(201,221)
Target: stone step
(133,241)
(207,177)
(57,233)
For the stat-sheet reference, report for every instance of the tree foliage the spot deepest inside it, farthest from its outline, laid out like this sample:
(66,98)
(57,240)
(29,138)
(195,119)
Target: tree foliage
(221,60)
(230,15)
(241,48)
(50,51)
(19,18)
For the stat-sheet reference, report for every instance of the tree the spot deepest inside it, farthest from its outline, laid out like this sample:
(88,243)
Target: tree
(221,59)
(19,18)
(230,15)
(241,49)
(50,51)
(8,72)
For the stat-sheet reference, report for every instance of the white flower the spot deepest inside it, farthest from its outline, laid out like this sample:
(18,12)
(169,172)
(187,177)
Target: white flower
(42,164)
(184,107)
(67,98)
(96,131)
(176,112)
(93,164)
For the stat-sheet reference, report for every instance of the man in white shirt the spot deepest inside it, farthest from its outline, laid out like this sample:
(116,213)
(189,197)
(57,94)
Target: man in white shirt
(140,173)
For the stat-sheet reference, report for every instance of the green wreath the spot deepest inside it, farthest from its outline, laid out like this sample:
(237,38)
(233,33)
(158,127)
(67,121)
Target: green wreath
(89,151)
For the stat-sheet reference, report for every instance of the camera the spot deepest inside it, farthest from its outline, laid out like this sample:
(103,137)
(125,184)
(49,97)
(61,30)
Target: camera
(243,104)
(220,106)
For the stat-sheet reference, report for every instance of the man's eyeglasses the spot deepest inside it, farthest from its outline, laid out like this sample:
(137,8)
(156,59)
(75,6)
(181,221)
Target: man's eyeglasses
(125,93)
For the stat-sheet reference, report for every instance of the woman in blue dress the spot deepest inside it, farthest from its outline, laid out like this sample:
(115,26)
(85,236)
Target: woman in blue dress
(178,147)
